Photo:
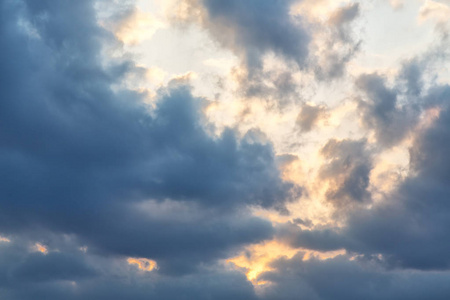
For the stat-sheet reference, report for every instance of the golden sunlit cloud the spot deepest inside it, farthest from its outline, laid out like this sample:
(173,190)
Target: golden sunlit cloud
(137,28)
(143,264)
(255,259)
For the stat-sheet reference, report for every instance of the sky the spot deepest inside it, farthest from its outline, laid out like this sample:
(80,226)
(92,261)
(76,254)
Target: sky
(224,149)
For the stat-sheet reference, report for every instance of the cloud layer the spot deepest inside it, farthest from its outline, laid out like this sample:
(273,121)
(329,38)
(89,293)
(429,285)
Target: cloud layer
(109,190)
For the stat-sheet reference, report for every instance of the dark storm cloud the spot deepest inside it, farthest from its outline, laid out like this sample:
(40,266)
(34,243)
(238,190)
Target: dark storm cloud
(179,241)
(381,111)
(347,170)
(220,284)
(76,156)
(342,279)
(417,215)
(22,265)
(54,266)
(81,275)
(320,240)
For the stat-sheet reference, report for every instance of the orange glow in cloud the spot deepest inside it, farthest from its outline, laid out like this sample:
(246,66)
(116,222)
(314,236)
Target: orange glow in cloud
(5,240)
(255,260)
(430,116)
(38,247)
(143,264)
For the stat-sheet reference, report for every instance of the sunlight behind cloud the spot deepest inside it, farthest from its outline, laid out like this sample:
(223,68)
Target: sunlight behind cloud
(224,149)
(138,27)
(434,10)
(143,264)
(38,247)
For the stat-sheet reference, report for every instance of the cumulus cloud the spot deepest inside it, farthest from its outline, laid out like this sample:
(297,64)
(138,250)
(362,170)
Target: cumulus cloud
(78,155)
(275,42)
(415,214)
(108,193)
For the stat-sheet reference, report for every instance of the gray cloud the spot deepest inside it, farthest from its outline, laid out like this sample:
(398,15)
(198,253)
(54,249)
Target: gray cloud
(342,18)
(83,164)
(408,229)
(341,44)
(76,156)
(381,112)
(255,28)
(278,89)
(309,116)
(341,278)
(79,275)
(323,240)
(347,170)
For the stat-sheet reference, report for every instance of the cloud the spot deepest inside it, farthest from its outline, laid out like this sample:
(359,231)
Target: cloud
(417,210)
(327,239)
(78,153)
(342,18)
(79,275)
(276,43)
(342,278)
(108,194)
(309,116)
(55,266)
(335,43)
(407,230)
(347,170)
(434,10)
(277,88)
(134,27)
(269,28)
(380,110)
